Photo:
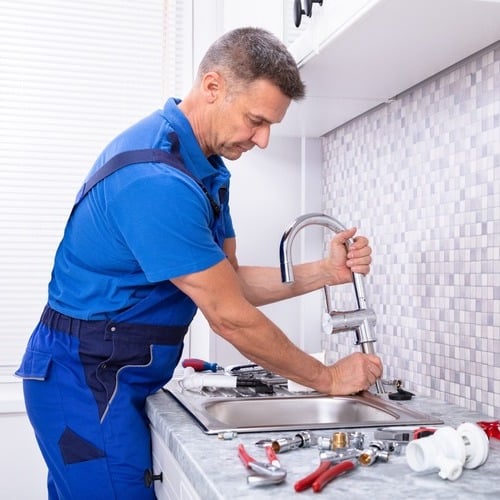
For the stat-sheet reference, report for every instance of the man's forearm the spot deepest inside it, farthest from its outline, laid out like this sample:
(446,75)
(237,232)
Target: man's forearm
(263,285)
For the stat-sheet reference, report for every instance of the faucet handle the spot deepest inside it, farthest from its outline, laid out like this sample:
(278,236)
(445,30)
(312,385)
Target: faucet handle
(358,281)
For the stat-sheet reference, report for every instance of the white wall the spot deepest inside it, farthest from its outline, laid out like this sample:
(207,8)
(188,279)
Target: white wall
(23,472)
(261,13)
(421,176)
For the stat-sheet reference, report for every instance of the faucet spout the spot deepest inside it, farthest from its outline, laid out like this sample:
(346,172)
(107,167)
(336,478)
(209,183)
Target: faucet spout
(362,320)
(289,235)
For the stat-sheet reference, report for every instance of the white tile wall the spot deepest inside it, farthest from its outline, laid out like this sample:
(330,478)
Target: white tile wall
(421,177)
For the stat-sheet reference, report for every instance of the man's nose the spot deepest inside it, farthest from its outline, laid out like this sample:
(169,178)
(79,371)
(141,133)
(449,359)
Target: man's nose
(261,136)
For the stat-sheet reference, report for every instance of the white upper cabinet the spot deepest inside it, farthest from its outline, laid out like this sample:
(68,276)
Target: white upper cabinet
(357,54)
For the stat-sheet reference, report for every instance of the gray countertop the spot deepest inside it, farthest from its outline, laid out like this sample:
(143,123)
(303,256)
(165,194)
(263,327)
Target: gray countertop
(215,471)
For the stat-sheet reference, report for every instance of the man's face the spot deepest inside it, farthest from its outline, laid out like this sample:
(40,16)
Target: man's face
(242,120)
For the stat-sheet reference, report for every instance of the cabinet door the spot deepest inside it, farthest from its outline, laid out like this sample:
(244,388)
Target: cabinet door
(175,485)
(326,23)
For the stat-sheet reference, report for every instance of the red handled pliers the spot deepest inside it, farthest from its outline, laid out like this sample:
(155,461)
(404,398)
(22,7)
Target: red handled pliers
(492,429)
(326,471)
(263,472)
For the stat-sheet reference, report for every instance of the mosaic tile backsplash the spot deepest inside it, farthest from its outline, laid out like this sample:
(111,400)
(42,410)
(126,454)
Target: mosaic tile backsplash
(421,177)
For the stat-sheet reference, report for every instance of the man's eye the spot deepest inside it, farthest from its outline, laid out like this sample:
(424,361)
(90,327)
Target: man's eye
(255,121)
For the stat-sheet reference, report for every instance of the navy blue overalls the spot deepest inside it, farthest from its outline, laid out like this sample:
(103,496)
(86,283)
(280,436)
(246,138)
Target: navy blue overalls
(109,368)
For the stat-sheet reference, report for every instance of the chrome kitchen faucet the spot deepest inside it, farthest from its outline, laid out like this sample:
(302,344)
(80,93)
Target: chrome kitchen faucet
(361,320)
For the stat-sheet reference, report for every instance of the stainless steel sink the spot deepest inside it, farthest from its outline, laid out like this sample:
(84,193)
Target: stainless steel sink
(296,412)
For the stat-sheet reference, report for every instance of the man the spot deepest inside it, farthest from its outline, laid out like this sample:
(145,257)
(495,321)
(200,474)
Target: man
(150,240)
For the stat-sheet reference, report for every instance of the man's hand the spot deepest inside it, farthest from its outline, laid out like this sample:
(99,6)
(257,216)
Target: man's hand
(354,373)
(340,264)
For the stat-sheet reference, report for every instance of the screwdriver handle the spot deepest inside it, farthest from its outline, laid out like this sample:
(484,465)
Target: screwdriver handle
(199,365)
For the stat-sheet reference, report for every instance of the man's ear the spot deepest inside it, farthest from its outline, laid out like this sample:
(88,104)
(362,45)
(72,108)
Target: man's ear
(212,85)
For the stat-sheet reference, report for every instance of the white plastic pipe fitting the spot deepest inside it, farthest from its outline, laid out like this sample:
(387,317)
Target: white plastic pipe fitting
(449,451)
(195,381)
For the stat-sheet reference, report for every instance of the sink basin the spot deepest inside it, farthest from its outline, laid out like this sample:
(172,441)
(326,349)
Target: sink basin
(296,412)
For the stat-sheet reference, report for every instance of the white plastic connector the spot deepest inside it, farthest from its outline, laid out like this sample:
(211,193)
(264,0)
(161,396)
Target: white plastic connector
(476,444)
(449,451)
(194,381)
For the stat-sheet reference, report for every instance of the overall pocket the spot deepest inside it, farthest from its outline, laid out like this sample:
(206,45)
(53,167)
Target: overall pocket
(34,365)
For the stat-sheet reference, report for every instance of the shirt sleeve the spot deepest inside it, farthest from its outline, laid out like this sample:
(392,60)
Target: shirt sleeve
(165,222)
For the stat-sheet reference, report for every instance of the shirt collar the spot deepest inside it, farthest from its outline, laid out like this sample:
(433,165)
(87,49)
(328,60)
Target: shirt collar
(190,149)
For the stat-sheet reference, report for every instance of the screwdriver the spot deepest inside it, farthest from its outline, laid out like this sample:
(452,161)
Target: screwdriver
(200,365)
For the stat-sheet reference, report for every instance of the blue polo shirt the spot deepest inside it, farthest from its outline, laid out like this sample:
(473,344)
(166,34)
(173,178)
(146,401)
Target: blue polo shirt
(142,225)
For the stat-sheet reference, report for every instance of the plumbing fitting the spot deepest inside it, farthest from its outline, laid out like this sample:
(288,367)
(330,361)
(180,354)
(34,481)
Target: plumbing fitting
(391,446)
(357,440)
(341,440)
(195,381)
(324,443)
(343,321)
(375,452)
(338,456)
(449,450)
(227,435)
(301,440)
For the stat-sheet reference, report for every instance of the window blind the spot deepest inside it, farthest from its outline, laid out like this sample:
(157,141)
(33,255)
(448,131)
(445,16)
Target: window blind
(72,75)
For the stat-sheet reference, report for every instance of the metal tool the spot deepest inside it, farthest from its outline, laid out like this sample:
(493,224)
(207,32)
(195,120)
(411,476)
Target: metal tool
(247,375)
(253,371)
(392,434)
(423,431)
(326,472)
(262,443)
(491,428)
(196,380)
(264,473)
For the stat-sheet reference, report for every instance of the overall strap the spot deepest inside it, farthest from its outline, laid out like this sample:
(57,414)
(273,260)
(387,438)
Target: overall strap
(172,159)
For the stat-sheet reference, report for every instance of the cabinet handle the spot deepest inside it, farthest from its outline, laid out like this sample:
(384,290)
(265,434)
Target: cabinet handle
(150,477)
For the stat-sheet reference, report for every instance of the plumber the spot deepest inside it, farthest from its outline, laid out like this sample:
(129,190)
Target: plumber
(149,240)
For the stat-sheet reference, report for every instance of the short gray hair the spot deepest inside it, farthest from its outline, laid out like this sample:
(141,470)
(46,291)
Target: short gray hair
(244,55)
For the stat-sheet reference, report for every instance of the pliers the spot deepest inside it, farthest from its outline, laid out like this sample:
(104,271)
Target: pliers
(326,471)
(492,429)
(263,472)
